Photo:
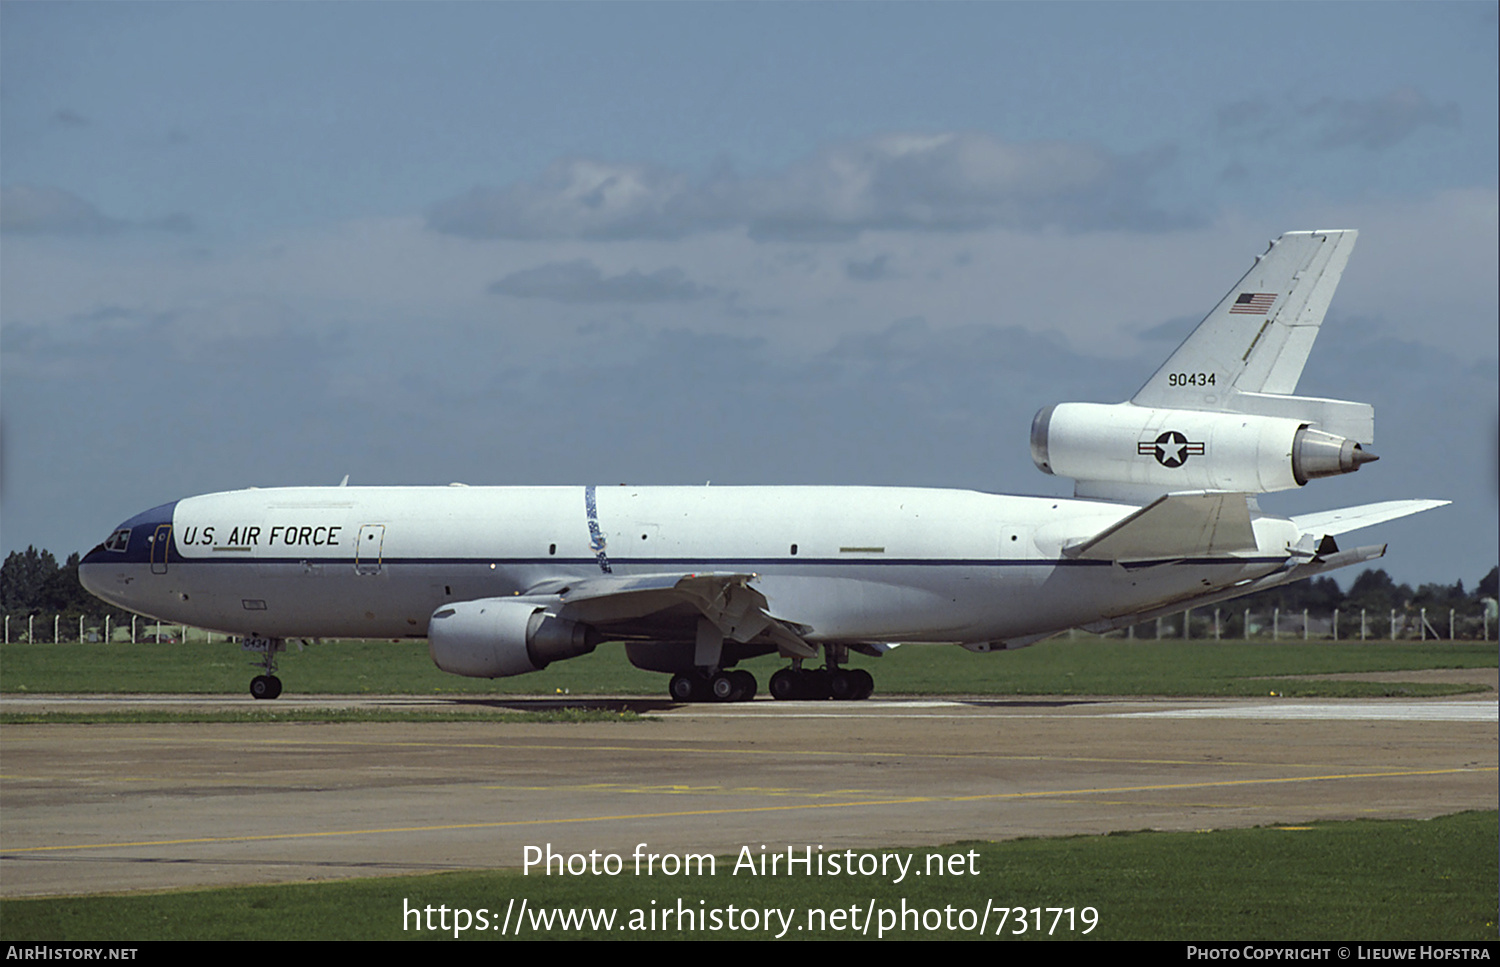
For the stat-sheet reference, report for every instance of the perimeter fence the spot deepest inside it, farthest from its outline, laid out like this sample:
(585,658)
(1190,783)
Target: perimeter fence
(1353,624)
(72,628)
(1254,624)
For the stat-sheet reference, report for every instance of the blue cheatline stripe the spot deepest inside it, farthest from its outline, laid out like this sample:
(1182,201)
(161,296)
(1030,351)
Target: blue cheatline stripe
(699,563)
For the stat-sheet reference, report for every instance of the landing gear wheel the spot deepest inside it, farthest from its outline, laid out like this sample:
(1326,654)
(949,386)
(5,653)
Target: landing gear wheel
(724,688)
(265,686)
(803,683)
(683,688)
(850,684)
(815,684)
(747,684)
(784,685)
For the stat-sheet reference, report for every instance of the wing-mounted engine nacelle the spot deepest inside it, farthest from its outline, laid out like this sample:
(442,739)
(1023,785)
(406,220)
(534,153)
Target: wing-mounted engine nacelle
(1124,446)
(499,637)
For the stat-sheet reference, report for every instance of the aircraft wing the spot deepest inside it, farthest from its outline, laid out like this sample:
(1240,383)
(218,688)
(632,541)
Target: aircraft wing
(1317,552)
(737,610)
(1345,519)
(1202,524)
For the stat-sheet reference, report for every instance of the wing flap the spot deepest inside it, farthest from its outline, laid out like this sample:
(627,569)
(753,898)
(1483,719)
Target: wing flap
(1206,524)
(739,611)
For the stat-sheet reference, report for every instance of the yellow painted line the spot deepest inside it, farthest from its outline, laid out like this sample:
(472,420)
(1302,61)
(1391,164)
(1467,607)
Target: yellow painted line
(525,746)
(747,810)
(686,790)
(1221,784)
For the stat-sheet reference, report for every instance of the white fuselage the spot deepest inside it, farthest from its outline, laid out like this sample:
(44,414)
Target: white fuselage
(846,564)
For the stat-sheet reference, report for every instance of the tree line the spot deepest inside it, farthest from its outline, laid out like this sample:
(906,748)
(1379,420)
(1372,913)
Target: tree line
(1372,590)
(33,583)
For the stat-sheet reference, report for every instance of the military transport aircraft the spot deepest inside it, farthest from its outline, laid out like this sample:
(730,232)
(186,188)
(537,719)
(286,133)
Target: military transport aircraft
(693,580)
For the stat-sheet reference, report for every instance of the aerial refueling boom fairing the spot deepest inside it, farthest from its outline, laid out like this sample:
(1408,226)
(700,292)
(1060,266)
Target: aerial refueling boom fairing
(693,580)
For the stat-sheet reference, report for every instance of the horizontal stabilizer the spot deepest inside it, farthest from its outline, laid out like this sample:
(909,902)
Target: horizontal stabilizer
(1356,421)
(1174,526)
(1345,519)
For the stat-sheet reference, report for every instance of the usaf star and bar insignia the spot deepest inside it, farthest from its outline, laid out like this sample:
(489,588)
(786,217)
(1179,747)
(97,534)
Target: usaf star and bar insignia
(1171,449)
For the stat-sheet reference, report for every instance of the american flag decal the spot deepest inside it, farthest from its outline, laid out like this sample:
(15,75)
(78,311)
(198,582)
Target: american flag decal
(1253,303)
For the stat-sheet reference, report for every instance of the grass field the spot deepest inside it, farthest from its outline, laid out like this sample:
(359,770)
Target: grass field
(1086,666)
(1367,880)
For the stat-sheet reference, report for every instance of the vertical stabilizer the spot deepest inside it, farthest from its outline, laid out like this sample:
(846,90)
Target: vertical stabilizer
(1256,340)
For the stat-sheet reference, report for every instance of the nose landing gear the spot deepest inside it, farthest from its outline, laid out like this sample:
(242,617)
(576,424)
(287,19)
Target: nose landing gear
(265,686)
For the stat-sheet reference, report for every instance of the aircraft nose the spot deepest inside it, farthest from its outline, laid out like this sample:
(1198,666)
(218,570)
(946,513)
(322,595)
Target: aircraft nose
(103,571)
(93,570)
(89,567)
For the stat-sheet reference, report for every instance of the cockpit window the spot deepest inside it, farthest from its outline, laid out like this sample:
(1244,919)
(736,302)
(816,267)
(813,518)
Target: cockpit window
(118,541)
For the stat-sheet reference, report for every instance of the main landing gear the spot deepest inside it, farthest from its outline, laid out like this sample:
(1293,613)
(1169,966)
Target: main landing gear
(833,681)
(789,684)
(265,686)
(720,686)
(709,683)
(841,684)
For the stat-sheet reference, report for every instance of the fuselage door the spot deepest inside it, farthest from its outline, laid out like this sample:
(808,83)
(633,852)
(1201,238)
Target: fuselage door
(161,546)
(367,552)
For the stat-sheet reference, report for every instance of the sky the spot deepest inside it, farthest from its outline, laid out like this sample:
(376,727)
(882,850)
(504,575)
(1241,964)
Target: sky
(662,243)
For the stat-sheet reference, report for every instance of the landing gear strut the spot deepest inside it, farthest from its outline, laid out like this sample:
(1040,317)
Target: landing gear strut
(707,682)
(265,686)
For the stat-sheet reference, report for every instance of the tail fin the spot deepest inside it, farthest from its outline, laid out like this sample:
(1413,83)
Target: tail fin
(1247,355)
(1220,414)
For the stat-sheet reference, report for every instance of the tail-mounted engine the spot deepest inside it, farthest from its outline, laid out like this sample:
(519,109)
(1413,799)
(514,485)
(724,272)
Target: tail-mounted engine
(499,637)
(1127,449)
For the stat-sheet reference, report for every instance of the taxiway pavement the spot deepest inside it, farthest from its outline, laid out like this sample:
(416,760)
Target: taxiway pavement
(107,808)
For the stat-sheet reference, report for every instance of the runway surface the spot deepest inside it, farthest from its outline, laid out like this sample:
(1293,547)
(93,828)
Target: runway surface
(106,808)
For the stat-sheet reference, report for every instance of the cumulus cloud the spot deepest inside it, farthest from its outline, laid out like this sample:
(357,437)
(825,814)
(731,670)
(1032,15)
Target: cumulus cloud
(574,198)
(1371,123)
(870,270)
(581,281)
(936,182)
(1378,122)
(44,210)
